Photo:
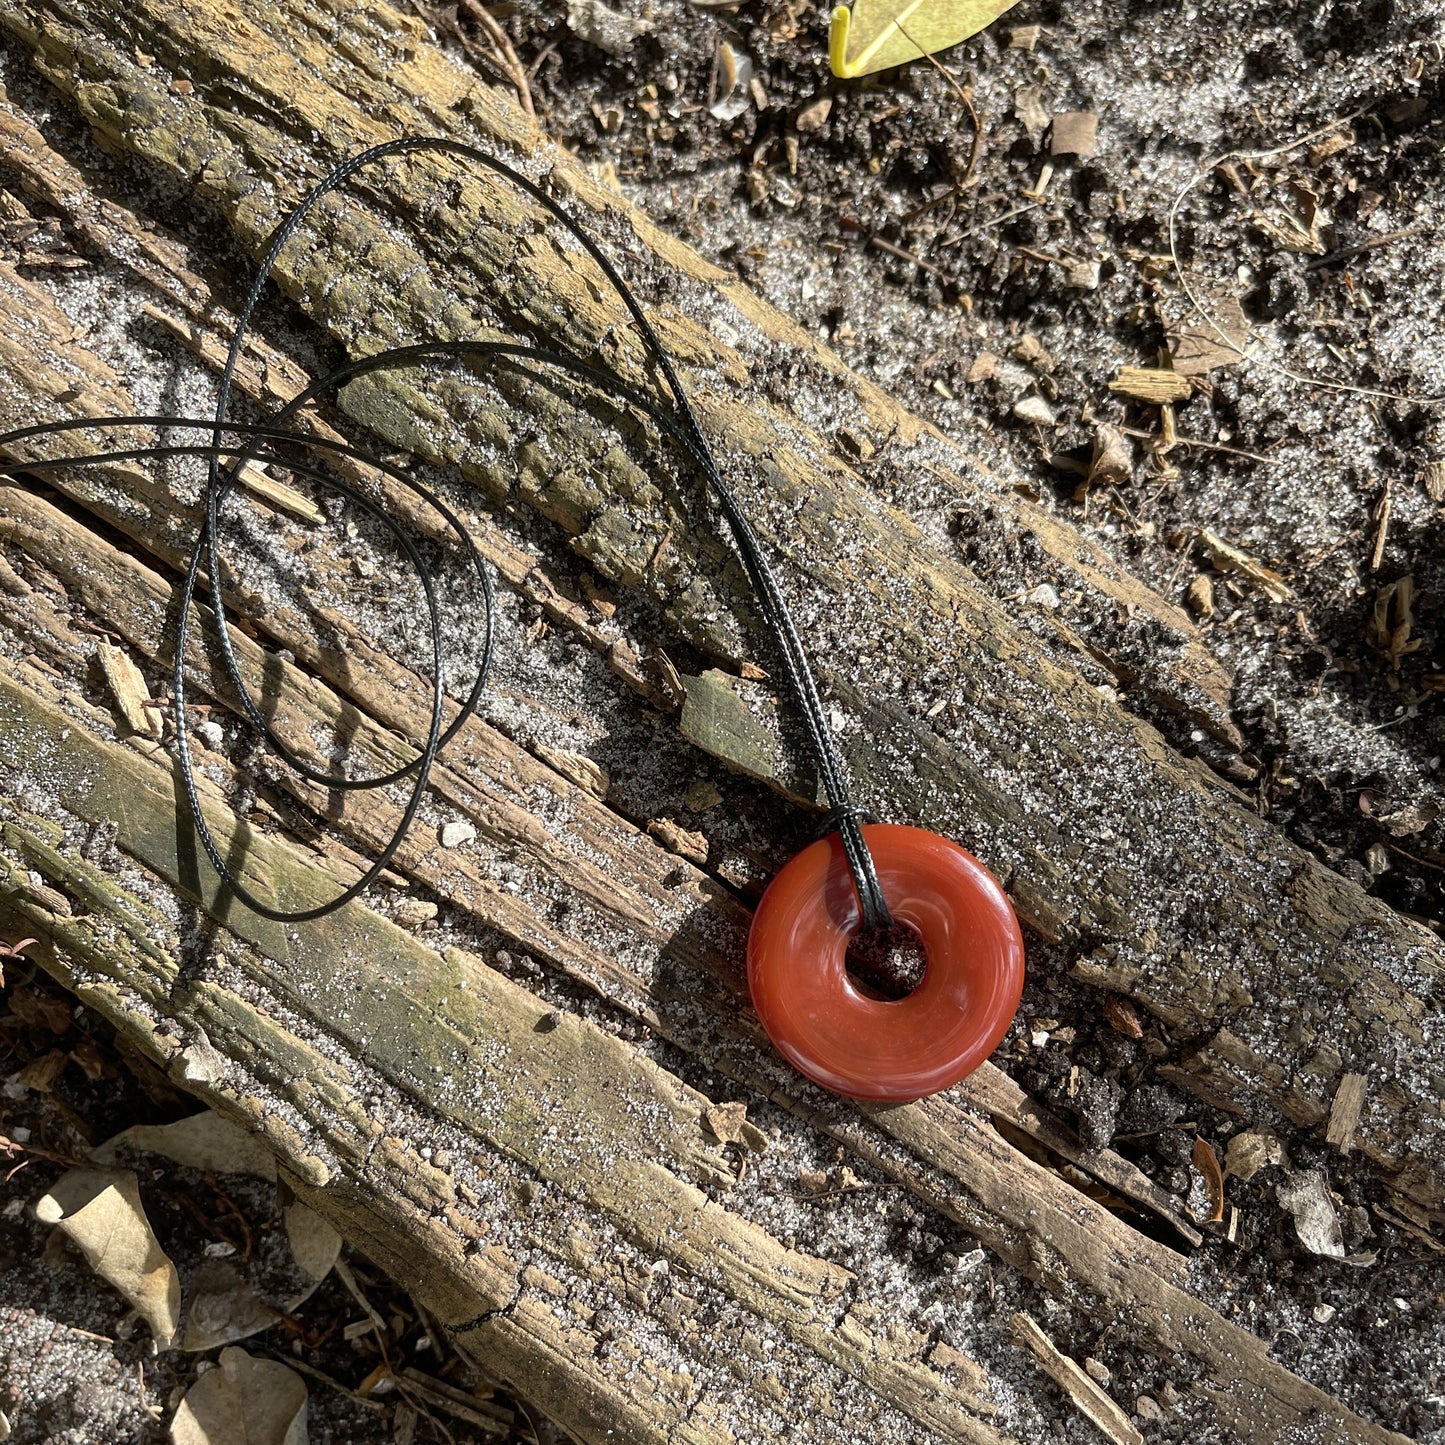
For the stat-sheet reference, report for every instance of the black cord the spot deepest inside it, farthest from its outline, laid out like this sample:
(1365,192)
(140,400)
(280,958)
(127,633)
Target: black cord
(249,443)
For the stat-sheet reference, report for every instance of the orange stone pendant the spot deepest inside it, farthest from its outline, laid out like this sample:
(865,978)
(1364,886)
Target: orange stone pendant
(890,1050)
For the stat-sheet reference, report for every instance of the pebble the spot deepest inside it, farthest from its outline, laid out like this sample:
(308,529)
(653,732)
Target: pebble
(453,835)
(1034,409)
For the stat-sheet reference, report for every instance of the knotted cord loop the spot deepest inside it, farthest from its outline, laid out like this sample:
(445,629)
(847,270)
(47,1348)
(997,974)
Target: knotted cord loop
(241,443)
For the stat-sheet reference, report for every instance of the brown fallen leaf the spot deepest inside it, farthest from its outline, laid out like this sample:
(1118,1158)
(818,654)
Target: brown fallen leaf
(1113,456)
(1207,1163)
(1074,133)
(1317,1224)
(243,1401)
(315,1245)
(1198,345)
(1122,1016)
(1392,620)
(1247,1153)
(725,1121)
(100,1211)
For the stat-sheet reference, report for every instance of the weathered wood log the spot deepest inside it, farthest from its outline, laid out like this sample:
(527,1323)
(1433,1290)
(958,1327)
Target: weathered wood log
(450,1047)
(1141,863)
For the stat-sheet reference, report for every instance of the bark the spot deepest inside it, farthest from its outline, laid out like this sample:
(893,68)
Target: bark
(1144,866)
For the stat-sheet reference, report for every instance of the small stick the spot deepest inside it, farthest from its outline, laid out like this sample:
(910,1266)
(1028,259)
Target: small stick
(1382,532)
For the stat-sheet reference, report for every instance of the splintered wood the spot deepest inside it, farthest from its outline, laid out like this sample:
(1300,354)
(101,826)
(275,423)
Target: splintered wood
(1094,1402)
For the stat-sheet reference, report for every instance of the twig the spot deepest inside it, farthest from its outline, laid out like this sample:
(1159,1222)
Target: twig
(1382,530)
(516,72)
(1335,257)
(294,1362)
(903,255)
(500,58)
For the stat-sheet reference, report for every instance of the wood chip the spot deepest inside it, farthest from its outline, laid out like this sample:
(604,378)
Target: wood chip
(279,495)
(601,601)
(726,1122)
(1082,274)
(1024,37)
(1029,109)
(679,840)
(1075,133)
(812,117)
(1349,1100)
(1229,558)
(1251,1151)
(984,366)
(1090,1397)
(591,777)
(1331,145)
(129,690)
(1153,384)
(1200,596)
(1382,529)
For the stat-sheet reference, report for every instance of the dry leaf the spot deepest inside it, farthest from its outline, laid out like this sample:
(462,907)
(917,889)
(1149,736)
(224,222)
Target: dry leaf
(243,1402)
(725,1121)
(1411,819)
(203,1141)
(1246,1154)
(1122,1016)
(1029,108)
(1207,1163)
(1113,456)
(734,80)
(223,1308)
(1393,620)
(100,1211)
(1229,558)
(315,1245)
(879,34)
(1307,1198)
(1198,347)
(1075,133)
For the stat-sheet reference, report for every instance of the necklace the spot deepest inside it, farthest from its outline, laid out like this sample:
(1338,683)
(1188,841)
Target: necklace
(860,876)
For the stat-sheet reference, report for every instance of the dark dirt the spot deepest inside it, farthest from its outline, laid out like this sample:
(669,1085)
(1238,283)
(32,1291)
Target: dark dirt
(889,228)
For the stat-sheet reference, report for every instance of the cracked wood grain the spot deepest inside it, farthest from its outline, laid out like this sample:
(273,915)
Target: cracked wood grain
(954,716)
(962,1167)
(644,1164)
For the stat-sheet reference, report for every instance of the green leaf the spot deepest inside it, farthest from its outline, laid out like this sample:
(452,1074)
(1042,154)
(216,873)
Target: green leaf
(879,34)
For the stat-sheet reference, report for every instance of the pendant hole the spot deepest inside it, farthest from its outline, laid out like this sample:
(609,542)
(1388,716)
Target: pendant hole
(886,963)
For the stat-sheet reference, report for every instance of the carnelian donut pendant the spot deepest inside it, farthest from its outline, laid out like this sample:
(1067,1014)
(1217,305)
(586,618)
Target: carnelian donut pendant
(891,1050)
